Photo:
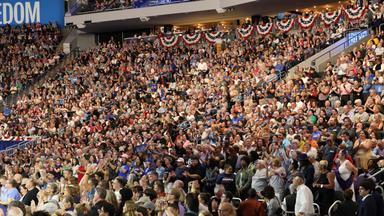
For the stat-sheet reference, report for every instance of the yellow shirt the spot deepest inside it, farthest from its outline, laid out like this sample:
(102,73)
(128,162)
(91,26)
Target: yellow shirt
(375,41)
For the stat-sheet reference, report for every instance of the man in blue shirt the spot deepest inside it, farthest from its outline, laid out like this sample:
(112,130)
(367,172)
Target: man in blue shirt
(8,194)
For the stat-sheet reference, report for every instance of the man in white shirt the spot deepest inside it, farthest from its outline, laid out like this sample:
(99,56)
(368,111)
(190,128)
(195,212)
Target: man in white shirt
(202,66)
(118,184)
(259,180)
(304,198)
(379,49)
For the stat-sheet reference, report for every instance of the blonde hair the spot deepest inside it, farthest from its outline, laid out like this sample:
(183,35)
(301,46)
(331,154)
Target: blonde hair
(323,164)
(276,162)
(111,198)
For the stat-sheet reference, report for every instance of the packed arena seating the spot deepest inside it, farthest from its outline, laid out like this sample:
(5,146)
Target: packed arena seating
(26,52)
(102,5)
(139,129)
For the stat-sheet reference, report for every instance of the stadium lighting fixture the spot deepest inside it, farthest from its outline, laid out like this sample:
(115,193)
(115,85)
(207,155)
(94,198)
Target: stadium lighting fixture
(144,19)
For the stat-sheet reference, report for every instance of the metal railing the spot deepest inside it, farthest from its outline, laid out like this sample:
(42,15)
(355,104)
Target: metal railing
(12,98)
(345,45)
(377,173)
(11,150)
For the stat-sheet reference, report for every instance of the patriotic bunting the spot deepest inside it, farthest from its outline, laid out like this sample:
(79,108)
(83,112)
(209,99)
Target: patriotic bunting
(374,8)
(191,39)
(285,25)
(169,41)
(355,13)
(264,29)
(307,21)
(330,18)
(212,37)
(244,33)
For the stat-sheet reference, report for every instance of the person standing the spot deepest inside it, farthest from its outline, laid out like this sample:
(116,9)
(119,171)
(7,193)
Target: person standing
(307,169)
(344,173)
(368,204)
(348,206)
(227,179)
(277,178)
(260,178)
(304,198)
(251,206)
(31,194)
(325,187)
(243,178)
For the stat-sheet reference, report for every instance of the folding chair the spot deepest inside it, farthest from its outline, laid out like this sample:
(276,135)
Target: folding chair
(332,209)
(317,209)
(236,202)
(380,189)
(288,213)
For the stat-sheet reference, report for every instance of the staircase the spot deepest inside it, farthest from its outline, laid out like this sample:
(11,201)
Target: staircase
(349,42)
(12,99)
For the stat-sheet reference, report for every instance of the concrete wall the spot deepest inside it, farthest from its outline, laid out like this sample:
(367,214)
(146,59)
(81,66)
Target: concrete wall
(86,40)
(106,16)
(79,39)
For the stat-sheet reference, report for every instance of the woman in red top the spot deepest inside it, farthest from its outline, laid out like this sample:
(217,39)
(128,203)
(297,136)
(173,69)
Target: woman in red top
(82,169)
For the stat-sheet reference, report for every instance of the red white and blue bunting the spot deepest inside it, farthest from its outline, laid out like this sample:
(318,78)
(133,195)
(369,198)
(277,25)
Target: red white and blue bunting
(244,33)
(330,18)
(285,25)
(355,13)
(374,8)
(307,21)
(263,29)
(169,41)
(213,36)
(191,39)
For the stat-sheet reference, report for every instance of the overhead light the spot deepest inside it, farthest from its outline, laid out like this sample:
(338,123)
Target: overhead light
(221,10)
(144,19)
(297,10)
(314,6)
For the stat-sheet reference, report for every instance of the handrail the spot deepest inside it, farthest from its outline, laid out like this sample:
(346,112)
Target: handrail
(12,98)
(23,144)
(343,44)
(377,173)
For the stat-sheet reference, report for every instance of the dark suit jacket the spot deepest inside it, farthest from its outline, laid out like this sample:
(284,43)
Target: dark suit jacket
(290,202)
(348,207)
(368,207)
(379,203)
(31,195)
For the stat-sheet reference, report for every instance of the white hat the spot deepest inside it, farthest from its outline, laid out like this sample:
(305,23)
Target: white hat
(180,160)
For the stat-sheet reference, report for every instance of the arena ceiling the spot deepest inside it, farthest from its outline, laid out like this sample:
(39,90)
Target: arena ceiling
(261,7)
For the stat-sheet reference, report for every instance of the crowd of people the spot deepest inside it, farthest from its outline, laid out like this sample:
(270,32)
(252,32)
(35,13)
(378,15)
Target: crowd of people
(101,5)
(26,52)
(138,129)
